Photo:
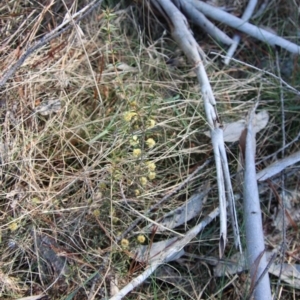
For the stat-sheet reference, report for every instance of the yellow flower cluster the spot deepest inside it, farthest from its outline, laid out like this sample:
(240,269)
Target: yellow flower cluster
(151,123)
(151,168)
(151,175)
(96,213)
(137,152)
(134,141)
(150,143)
(141,238)
(143,181)
(13,226)
(124,243)
(128,115)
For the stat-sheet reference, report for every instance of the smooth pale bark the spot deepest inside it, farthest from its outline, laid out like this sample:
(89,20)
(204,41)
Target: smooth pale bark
(200,20)
(253,221)
(243,26)
(278,166)
(236,39)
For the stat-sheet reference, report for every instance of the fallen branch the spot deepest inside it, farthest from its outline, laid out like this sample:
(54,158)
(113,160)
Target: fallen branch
(253,220)
(278,166)
(241,25)
(199,19)
(184,38)
(174,251)
(236,39)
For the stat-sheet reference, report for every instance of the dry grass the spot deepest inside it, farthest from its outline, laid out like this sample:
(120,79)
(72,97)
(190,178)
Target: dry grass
(121,89)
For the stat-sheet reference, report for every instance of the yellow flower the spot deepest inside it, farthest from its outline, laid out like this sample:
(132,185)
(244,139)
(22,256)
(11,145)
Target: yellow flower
(137,152)
(141,239)
(35,200)
(134,141)
(124,243)
(113,212)
(130,182)
(137,192)
(150,143)
(151,123)
(151,175)
(115,220)
(151,166)
(133,104)
(96,213)
(102,186)
(117,175)
(110,169)
(143,181)
(13,226)
(128,115)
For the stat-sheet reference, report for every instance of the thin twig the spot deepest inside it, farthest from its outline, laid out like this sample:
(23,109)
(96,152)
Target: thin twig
(261,276)
(277,166)
(283,209)
(236,39)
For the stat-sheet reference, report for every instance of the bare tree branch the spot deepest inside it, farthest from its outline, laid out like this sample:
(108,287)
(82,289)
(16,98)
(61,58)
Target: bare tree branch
(236,39)
(241,25)
(199,19)
(278,166)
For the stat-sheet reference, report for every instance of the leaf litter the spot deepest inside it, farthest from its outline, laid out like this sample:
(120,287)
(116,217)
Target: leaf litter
(232,131)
